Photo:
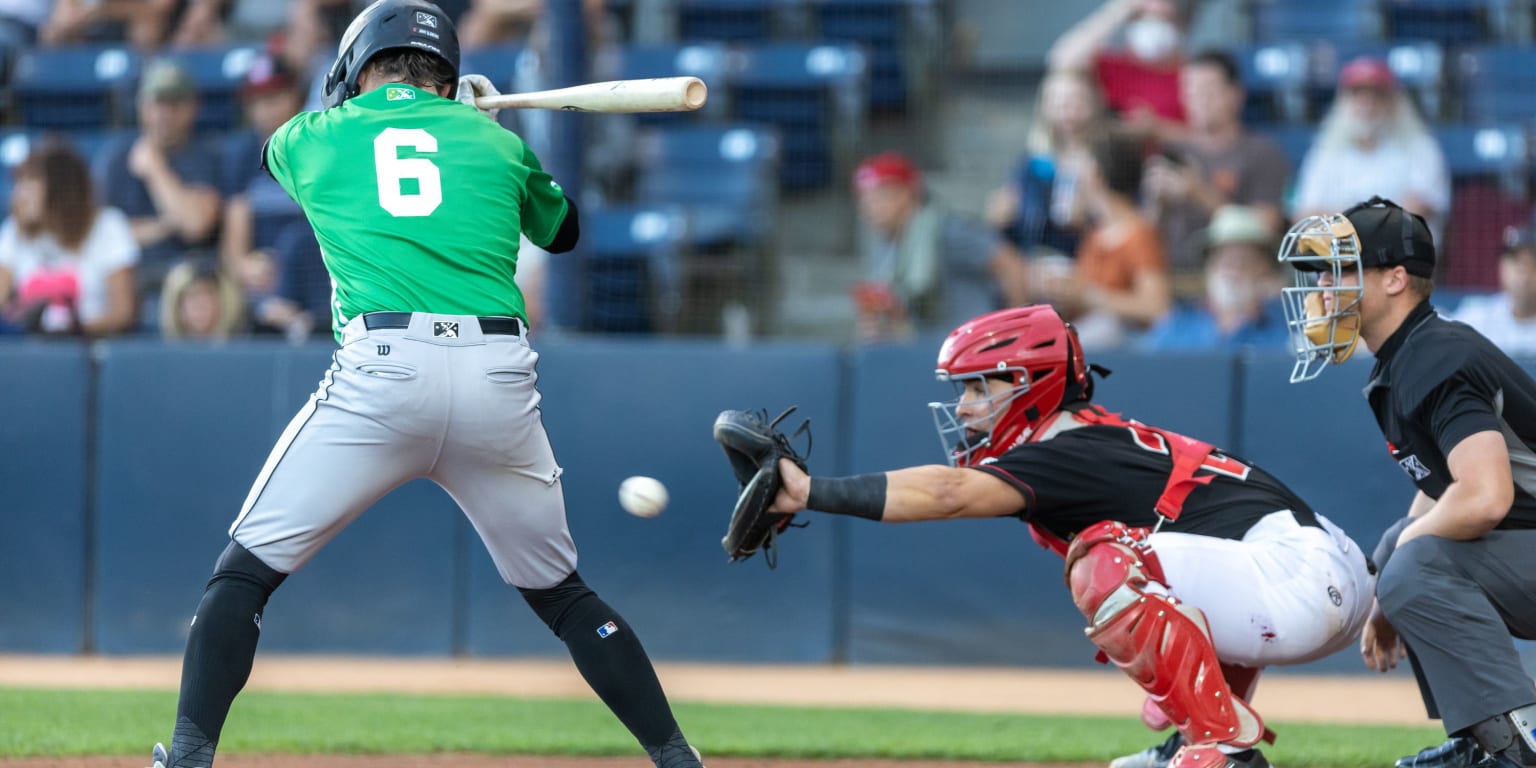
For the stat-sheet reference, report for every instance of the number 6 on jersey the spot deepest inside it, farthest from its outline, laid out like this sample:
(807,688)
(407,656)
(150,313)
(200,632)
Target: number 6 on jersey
(393,170)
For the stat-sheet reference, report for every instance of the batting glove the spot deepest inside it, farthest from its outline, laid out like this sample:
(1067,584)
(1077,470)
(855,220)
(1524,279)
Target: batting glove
(472,87)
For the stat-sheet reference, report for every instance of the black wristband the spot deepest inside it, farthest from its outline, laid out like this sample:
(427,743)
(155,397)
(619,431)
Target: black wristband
(858,496)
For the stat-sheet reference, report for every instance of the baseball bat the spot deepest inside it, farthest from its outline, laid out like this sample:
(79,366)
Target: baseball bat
(661,94)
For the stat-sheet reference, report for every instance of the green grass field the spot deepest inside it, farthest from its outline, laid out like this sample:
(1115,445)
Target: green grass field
(53,722)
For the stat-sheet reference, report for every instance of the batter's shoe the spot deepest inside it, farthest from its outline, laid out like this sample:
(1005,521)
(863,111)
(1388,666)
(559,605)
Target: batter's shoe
(1456,752)
(1151,757)
(160,758)
(676,753)
(1211,756)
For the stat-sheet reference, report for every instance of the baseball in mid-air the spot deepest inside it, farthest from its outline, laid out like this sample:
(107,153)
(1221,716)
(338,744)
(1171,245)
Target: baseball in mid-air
(642,496)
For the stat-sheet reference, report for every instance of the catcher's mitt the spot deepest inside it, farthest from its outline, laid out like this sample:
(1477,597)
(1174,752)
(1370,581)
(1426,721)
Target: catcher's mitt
(754,445)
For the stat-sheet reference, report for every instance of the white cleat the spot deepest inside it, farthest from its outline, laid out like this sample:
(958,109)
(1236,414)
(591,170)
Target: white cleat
(159,758)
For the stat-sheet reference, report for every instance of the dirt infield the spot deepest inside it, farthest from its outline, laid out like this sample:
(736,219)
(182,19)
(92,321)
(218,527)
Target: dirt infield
(1361,699)
(1372,699)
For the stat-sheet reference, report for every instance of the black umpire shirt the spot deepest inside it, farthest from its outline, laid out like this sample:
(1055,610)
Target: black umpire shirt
(1436,382)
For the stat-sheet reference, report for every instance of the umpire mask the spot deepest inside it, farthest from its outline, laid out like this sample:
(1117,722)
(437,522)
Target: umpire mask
(1323,313)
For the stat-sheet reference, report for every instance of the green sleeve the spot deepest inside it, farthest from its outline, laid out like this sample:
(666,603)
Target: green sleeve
(276,153)
(544,207)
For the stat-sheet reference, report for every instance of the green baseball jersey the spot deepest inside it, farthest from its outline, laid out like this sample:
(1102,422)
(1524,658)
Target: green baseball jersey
(417,202)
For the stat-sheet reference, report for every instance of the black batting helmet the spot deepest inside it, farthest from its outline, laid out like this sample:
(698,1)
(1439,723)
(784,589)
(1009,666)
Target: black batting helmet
(386,25)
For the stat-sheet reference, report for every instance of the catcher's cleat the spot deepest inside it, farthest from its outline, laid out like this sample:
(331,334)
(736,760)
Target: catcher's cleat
(1211,756)
(1456,752)
(1151,757)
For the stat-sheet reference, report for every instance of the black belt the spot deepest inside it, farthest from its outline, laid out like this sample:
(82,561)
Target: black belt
(508,326)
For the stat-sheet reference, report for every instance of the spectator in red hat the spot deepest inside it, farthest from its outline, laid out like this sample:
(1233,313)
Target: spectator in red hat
(1373,142)
(256,209)
(925,267)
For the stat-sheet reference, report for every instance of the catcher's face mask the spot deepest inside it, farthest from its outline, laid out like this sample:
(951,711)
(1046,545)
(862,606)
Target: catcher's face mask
(1322,309)
(967,423)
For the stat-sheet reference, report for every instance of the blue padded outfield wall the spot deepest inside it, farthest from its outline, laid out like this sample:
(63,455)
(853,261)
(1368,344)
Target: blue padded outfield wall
(123,464)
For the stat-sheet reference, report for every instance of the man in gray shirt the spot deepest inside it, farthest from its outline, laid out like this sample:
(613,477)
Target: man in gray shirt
(1212,163)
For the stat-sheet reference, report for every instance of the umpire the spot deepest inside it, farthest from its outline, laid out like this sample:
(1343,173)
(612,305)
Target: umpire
(1458,574)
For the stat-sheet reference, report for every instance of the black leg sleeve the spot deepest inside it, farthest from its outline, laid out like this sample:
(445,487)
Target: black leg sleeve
(611,659)
(220,650)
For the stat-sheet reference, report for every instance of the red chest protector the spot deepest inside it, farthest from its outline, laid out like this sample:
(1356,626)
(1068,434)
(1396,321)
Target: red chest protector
(1189,456)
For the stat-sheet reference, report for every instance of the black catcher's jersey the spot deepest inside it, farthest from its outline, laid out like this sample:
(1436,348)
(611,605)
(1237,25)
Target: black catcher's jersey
(1118,471)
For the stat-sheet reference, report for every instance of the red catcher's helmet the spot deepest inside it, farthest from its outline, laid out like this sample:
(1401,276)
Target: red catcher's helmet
(1030,346)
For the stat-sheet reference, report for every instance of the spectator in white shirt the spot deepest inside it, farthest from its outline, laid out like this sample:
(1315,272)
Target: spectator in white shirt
(1508,318)
(68,261)
(1373,142)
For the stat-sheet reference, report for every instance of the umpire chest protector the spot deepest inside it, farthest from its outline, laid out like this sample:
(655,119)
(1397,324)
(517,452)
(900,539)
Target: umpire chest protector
(387,25)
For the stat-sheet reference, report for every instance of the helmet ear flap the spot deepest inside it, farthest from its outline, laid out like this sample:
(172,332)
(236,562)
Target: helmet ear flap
(335,91)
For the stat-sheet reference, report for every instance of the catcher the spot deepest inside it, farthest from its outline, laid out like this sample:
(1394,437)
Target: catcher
(1186,560)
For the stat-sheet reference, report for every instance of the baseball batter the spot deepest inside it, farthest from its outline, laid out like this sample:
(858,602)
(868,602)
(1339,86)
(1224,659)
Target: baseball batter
(418,201)
(1194,568)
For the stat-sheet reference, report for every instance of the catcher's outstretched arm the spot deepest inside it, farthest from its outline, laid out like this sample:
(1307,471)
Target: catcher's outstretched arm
(908,495)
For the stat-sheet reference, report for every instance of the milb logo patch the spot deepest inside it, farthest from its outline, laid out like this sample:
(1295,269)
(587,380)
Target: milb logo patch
(1413,467)
(399,94)
(607,629)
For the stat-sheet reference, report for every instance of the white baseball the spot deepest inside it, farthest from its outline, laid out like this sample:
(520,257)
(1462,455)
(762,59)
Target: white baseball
(642,496)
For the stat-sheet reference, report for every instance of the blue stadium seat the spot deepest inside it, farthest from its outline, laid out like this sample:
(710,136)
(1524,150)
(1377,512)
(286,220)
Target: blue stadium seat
(1483,151)
(1448,22)
(707,62)
(95,144)
(1418,65)
(1294,140)
(812,94)
(219,73)
(725,177)
(1498,83)
(74,87)
(630,264)
(499,63)
(1275,78)
(880,26)
(15,145)
(731,21)
(1283,20)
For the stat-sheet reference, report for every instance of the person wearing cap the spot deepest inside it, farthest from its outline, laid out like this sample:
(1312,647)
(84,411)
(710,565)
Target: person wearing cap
(257,211)
(1458,574)
(164,179)
(1508,318)
(1373,142)
(1240,284)
(925,268)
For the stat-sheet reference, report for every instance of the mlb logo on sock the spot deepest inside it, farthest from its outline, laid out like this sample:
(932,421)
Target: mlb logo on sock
(607,629)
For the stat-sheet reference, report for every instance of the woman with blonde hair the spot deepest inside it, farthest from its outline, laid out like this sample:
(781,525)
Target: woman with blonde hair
(200,302)
(1039,208)
(68,261)
(1371,143)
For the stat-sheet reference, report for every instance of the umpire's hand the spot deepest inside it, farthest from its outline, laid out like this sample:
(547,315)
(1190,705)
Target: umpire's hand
(1379,644)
